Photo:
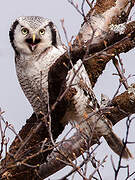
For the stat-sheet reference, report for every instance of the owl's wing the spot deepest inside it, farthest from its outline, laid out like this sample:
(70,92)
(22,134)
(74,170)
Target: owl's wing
(78,78)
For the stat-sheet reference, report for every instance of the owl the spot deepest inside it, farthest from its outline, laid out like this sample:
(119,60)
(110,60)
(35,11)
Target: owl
(37,46)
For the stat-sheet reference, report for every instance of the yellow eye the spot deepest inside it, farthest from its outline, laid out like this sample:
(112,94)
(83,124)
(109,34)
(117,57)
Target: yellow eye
(24,31)
(42,32)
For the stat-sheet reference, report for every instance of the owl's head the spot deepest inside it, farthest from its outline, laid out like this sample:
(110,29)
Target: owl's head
(33,34)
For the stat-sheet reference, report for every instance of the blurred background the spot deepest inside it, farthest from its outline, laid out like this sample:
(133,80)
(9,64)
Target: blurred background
(14,103)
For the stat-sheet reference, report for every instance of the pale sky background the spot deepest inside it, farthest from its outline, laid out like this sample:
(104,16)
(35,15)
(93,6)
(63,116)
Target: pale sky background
(12,100)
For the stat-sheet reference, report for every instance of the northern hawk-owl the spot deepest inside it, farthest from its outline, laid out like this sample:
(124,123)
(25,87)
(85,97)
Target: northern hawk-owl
(37,45)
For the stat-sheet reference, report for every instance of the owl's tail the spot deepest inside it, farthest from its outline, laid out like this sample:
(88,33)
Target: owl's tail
(117,145)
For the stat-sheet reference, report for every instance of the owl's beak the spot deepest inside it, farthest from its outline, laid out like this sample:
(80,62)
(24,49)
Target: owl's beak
(33,38)
(32,42)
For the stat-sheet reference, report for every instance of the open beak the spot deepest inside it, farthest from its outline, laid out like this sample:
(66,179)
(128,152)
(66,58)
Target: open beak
(32,42)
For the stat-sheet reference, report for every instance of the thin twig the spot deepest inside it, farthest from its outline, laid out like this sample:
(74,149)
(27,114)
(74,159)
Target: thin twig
(99,164)
(90,4)
(28,138)
(121,74)
(116,170)
(76,7)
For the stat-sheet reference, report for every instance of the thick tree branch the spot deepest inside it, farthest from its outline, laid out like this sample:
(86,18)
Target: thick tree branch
(98,55)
